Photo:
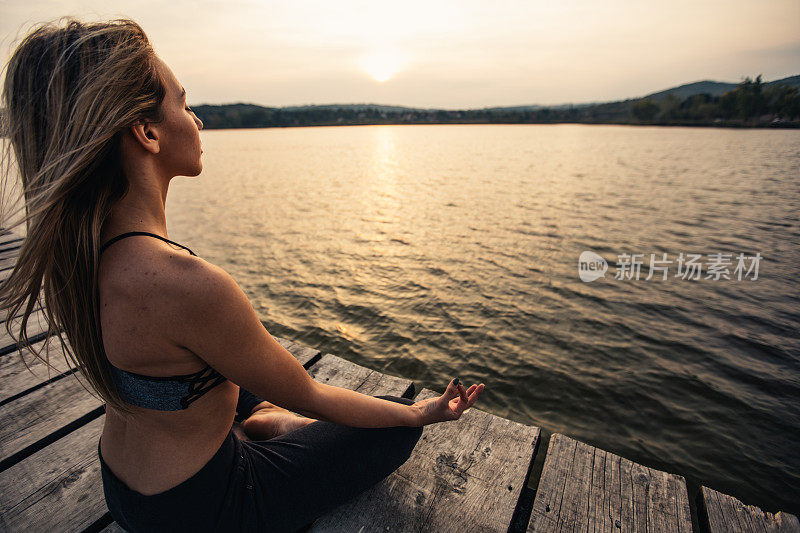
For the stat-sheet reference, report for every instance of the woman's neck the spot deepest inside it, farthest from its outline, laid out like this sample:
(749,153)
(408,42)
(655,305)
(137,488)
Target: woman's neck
(136,212)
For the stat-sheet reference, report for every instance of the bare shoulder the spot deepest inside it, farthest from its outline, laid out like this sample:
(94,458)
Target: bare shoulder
(197,291)
(169,282)
(183,293)
(184,279)
(198,279)
(146,269)
(156,289)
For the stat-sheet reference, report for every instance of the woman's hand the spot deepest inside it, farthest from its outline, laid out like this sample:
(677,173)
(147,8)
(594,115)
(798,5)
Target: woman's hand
(448,406)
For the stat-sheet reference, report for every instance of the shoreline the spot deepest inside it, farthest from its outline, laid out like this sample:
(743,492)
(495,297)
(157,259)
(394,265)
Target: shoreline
(782,126)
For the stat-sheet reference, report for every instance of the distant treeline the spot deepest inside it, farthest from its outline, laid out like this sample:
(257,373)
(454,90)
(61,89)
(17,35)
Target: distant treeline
(750,104)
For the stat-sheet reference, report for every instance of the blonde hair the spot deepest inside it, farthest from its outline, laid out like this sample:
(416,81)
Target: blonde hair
(71,89)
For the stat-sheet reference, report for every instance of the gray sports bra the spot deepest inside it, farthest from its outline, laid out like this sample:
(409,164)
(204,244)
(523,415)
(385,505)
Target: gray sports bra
(169,393)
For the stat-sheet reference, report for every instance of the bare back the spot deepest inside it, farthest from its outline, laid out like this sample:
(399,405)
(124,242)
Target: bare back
(154,451)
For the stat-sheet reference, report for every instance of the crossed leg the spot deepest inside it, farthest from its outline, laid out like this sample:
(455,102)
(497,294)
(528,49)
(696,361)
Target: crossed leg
(268,421)
(262,420)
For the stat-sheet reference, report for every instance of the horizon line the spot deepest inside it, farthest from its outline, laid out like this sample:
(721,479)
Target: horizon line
(595,102)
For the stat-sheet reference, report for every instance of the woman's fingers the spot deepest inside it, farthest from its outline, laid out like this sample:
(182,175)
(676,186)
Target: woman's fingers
(475,394)
(472,395)
(458,403)
(449,393)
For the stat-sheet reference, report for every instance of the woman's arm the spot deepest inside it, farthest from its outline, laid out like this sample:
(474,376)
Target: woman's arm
(339,405)
(351,408)
(216,321)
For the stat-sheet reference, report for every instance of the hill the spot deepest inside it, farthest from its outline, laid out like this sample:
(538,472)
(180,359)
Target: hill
(714,88)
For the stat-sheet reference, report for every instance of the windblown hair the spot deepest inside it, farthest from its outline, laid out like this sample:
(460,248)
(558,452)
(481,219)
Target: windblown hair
(71,89)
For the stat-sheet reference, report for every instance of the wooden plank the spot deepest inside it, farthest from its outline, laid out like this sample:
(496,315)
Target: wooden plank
(465,475)
(15,378)
(4,316)
(334,370)
(728,514)
(666,491)
(58,488)
(37,324)
(34,416)
(583,488)
(557,466)
(10,240)
(5,272)
(574,506)
(301,352)
(9,252)
(600,506)
(7,264)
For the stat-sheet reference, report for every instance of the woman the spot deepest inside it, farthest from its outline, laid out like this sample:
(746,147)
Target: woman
(99,126)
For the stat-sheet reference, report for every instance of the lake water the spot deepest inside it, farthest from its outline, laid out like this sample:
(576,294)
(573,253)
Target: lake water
(452,250)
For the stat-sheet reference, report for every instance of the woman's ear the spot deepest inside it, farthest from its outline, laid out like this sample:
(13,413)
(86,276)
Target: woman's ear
(146,136)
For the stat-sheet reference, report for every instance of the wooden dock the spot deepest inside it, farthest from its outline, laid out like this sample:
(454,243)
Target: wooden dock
(476,474)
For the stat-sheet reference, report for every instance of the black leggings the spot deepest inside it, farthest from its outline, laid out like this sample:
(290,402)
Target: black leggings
(280,484)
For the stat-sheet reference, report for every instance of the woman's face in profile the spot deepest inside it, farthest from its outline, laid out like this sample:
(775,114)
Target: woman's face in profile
(179,146)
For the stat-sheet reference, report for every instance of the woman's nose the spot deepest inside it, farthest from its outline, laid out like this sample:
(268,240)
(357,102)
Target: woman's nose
(199,123)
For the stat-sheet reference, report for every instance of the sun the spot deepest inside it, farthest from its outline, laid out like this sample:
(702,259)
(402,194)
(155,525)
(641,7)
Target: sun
(381,64)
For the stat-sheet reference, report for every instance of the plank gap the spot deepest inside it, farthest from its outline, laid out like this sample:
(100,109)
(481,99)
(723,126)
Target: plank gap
(524,508)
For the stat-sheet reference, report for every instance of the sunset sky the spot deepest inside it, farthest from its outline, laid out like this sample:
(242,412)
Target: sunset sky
(445,54)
